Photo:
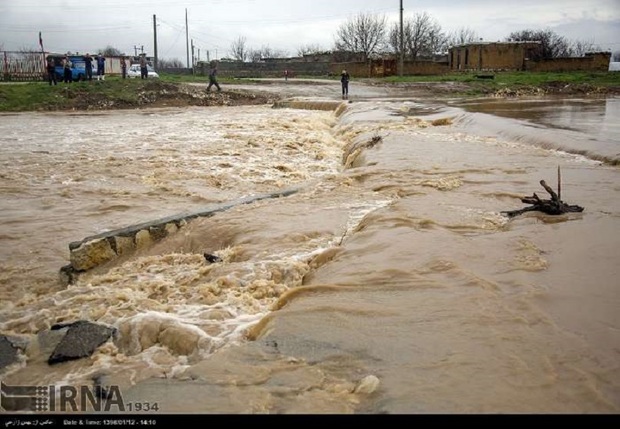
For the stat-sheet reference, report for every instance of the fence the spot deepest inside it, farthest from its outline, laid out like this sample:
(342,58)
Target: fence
(30,66)
(22,66)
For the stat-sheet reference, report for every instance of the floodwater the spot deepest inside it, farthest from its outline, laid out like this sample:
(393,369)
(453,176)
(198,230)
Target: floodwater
(390,283)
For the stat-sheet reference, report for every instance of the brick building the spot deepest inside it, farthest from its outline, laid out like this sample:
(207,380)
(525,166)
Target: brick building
(509,56)
(520,56)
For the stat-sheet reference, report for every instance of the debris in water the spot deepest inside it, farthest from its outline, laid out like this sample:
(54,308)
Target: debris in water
(368,385)
(212,258)
(555,206)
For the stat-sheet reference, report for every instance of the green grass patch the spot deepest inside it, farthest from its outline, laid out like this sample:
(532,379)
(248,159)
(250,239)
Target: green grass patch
(188,78)
(40,96)
(474,86)
(23,96)
(517,78)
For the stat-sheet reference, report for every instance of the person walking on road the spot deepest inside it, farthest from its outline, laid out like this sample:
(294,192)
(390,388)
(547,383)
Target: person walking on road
(213,78)
(344,79)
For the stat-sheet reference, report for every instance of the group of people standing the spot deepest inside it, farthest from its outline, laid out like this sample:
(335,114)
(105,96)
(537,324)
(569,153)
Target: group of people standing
(89,62)
(67,66)
(100,60)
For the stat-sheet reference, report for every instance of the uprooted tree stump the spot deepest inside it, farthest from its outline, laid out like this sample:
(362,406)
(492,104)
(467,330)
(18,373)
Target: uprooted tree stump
(555,206)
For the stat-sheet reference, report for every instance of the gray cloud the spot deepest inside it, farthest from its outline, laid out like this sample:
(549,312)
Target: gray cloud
(75,25)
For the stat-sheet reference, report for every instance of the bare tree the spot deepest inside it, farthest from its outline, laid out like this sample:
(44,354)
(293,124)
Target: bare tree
(581,47)
(461,36)
(553,45)
(173,63)
(268,52)
(27,49)
(364,33)
(422,34)
(110,51)
(309,50)
(239,50)
(255,55)
(616,56)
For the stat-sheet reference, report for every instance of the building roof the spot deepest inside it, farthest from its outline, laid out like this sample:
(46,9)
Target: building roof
(526,42)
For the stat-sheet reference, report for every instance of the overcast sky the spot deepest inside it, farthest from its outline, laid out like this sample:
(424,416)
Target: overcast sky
(90,25)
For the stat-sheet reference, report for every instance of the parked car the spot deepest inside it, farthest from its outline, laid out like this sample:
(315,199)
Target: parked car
(134,71)
(78,67)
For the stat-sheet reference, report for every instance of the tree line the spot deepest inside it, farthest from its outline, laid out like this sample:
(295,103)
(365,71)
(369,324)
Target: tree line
(373,36)
(422,37)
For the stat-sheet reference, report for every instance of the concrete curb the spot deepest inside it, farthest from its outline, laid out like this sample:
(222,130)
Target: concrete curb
(97,250)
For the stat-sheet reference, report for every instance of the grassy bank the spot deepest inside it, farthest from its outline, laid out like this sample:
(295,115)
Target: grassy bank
(113,93)
(41,96)
(577,82)
(517,78)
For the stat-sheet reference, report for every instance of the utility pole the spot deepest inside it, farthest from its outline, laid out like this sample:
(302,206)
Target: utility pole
(402,41)
(193,59)
(187,37)
(155,41)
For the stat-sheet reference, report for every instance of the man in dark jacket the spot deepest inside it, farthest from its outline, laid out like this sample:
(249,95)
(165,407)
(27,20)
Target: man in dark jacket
(344,79)
(144,67)
(213,78)
(123,67)
(88,65)
(66,68)
(51,71)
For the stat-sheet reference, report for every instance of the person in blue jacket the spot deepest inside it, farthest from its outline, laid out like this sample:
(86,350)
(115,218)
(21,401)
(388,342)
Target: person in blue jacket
(100,67)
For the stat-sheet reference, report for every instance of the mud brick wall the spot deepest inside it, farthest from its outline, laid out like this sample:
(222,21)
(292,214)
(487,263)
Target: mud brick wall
(596,62)
(265,69)
(381,68)
(425,68)
(355,70)
(492,56)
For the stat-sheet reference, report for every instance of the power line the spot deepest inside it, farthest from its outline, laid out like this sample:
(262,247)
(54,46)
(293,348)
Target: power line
(68,30)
